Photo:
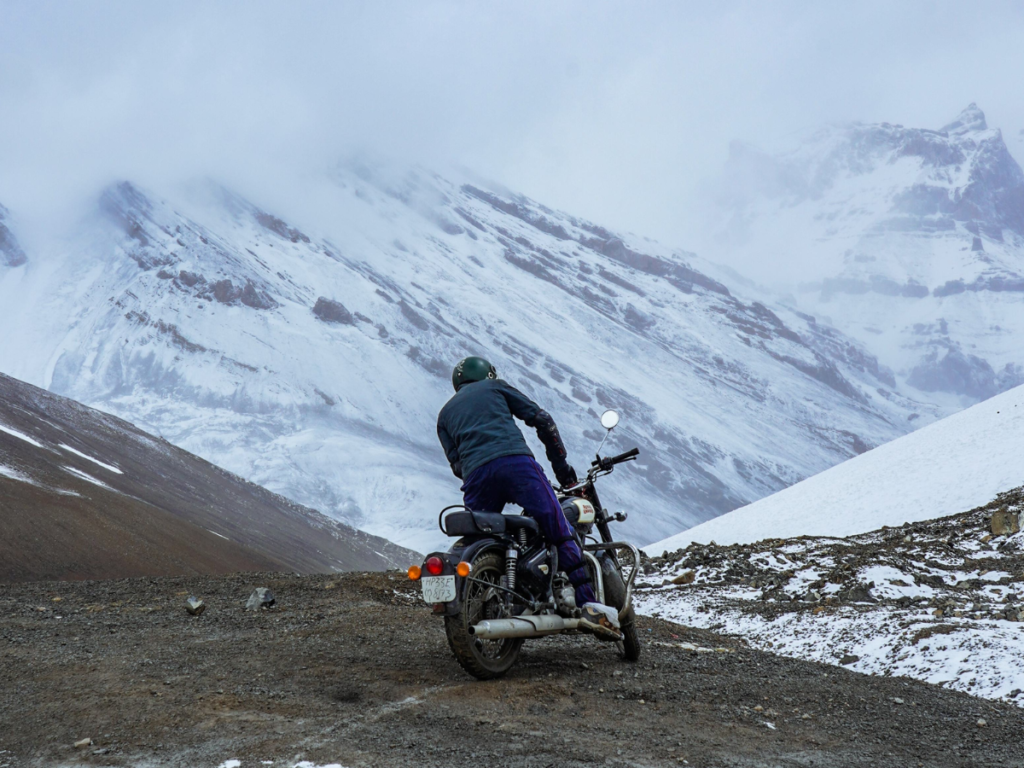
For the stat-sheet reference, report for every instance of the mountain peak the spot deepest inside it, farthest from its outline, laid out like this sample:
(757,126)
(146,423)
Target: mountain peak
(970,119)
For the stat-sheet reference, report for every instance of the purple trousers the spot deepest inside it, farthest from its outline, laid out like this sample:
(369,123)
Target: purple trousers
(520,480)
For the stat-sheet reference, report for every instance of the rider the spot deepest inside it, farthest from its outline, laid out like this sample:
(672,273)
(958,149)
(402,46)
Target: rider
(488,453)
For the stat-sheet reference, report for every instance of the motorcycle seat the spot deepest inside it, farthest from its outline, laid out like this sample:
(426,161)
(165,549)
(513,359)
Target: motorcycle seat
(481,523)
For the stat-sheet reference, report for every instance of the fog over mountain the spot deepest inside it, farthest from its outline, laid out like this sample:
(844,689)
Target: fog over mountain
(618,113)
(266,233)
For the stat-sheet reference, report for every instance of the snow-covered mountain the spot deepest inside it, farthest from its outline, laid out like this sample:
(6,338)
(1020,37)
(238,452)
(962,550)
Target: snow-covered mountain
(907,239)
(957,463)
(311,357)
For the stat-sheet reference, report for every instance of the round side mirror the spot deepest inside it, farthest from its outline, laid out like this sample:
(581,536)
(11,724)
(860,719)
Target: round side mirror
(609,419)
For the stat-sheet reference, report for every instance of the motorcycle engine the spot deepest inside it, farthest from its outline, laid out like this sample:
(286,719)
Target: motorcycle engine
(534,567)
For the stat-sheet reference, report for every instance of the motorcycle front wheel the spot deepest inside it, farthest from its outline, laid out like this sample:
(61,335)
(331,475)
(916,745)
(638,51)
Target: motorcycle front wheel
(484,659)
(629,645)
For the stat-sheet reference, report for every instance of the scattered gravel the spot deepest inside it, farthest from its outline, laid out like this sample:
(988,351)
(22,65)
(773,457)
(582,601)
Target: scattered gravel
(354,670)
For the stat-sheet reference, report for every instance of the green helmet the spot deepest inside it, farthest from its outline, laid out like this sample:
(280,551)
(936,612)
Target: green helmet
(472,369)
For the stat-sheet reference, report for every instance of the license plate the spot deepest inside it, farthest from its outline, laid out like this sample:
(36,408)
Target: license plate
(438,589)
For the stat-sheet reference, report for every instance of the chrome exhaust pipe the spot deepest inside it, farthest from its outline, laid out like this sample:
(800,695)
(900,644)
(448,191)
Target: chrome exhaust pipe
(522,626)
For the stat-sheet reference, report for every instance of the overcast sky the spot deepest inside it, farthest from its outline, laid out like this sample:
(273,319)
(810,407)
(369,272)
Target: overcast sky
(615,111)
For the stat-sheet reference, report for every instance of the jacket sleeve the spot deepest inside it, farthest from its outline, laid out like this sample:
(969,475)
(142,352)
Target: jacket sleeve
(450,450)
(521,406)
(534,416)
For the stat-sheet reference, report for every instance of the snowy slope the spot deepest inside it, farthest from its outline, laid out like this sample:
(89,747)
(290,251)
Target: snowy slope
(957,463)
(312,358)
(910,240)
(939,600)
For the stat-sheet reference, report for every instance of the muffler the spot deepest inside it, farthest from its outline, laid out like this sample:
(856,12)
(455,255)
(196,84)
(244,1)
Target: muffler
(522,626)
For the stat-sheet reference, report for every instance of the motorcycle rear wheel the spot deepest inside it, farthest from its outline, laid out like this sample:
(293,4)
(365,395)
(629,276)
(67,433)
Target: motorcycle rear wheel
(484,659)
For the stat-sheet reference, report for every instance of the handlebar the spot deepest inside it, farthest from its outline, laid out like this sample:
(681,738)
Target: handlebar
(610,461)
(624,456)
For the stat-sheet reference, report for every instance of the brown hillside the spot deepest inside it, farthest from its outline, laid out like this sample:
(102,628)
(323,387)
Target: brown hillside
(65,515)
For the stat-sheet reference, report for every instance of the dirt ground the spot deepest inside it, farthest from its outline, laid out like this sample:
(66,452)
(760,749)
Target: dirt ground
(354,670)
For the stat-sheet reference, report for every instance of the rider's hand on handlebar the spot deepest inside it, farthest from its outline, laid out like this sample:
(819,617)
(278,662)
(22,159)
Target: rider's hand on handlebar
(566,475)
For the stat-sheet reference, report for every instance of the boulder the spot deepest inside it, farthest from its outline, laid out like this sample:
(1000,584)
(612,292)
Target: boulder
(686,577)
(331,311)
(261,597)
(1005,522)
(195,606)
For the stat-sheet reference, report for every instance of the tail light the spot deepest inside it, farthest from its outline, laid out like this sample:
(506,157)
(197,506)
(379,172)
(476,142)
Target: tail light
(434,565)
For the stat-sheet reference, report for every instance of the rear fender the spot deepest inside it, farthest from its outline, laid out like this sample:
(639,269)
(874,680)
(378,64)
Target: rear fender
(469,552)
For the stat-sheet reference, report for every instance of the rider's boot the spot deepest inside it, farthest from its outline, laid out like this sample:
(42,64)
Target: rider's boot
(602,620)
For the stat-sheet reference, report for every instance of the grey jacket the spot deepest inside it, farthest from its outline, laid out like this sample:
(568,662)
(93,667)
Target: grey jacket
(477,426)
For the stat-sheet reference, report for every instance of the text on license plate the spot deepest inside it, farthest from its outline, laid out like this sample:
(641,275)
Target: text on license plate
(438,589)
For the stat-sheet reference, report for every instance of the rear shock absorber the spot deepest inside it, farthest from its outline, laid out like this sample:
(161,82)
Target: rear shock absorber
(511,561)
(522,538)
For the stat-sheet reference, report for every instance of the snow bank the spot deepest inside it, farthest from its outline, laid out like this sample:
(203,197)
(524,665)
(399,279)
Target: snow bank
(955,464)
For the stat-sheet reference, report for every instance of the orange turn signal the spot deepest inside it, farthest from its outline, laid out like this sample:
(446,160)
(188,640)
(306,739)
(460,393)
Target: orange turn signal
(462,569)
(414,572)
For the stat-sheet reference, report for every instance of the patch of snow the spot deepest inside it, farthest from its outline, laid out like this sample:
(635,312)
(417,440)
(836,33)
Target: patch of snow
(90,458)
(976,657)
(218,534)
(89,478)
(21,435)
(13,474)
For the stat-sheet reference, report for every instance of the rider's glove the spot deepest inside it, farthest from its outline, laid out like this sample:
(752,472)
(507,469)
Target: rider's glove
(565,474)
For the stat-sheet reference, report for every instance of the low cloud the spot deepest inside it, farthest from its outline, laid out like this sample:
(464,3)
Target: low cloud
(616,112)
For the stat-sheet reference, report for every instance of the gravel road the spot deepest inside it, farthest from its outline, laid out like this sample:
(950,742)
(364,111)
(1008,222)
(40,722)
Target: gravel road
(354,670)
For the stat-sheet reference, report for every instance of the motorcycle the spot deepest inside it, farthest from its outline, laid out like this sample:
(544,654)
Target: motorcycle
(500,584)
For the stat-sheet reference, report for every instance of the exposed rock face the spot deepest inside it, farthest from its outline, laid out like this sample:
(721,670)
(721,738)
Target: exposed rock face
(332,312)
(955,372)
(963,374)
(11,254)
